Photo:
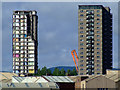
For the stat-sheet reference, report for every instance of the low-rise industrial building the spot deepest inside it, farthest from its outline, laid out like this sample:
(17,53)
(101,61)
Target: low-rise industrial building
(11,81)
(30,86)
(110,80)
(77,80)
(63,82)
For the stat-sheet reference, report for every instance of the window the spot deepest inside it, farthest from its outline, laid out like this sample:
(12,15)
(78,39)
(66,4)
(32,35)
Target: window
(98,69)
(98,43)
(21,24)
(98,39)
(98,11)
(17,32)
(81,32)
(98,60)
(81,35)
(98,56)
(98,19)
(81,69)
(98,35)
(81,27)
(98,15)
(81,11)
(81,48)
(81,73)
(98,65)
(81,44)
(17,24)
(25,35)
(17,20)
(21,16)
(25,28)
(81,64)
(98,31)
(17,16)
(17,43)
(98,23)
(81,60)
(81,56)
(98,27)
(17,28)
(13,16)
(17,35)
(81,19)
(81,15)
(81,53)
(22,28)
(81,40)
(98,48)
(98,73)
(81,23)
(98,52)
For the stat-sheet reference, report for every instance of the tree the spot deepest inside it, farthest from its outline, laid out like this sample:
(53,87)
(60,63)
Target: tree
(68,73)
(56,72)
(74,72)
(49,72)
(62,72)
(44,71)
(39,72)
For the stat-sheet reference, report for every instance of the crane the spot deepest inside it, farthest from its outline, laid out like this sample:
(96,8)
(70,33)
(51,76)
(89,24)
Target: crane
(76,63)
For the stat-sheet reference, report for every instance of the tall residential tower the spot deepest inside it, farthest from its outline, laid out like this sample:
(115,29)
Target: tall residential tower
(94,39)
(25,42)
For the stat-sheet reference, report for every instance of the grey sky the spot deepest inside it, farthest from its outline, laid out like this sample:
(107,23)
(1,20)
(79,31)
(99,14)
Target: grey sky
(57,32)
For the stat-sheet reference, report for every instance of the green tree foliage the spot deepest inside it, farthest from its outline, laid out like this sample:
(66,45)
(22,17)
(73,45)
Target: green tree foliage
(68,73)
(49,72)
(62,72)
(43,71)
(56,72)
(38,72)
(74,72)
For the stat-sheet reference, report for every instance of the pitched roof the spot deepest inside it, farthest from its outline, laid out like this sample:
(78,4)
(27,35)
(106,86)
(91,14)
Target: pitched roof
(30,85)
(58,79)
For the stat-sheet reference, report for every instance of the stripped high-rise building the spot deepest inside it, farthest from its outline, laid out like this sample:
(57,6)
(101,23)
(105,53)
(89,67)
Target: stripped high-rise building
(25,42)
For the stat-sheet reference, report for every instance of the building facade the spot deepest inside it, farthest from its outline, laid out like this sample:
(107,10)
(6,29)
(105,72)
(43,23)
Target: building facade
(99,82)
(94,39)
(25,42)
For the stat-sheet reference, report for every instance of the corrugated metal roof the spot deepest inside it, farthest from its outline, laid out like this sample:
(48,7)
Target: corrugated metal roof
(17,79)
(6,75)
(30,85)
(58,79)
(28,79)
(114,77)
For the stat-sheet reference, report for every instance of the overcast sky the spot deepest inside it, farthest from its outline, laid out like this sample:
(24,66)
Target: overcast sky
(57,32)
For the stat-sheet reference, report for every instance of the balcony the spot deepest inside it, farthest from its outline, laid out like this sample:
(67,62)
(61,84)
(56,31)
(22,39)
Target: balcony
(90,17)
(90,54)
(90,13)
(90,34)
(90,28)
(90,21)
(90,66)
(90,58)
(90,62)
(90,37)
(89,50)
(90,45)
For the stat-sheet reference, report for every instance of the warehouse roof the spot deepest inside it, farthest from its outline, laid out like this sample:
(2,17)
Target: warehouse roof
(30,85)
(114,77)
(58,79)
(6,76)
(32,79)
